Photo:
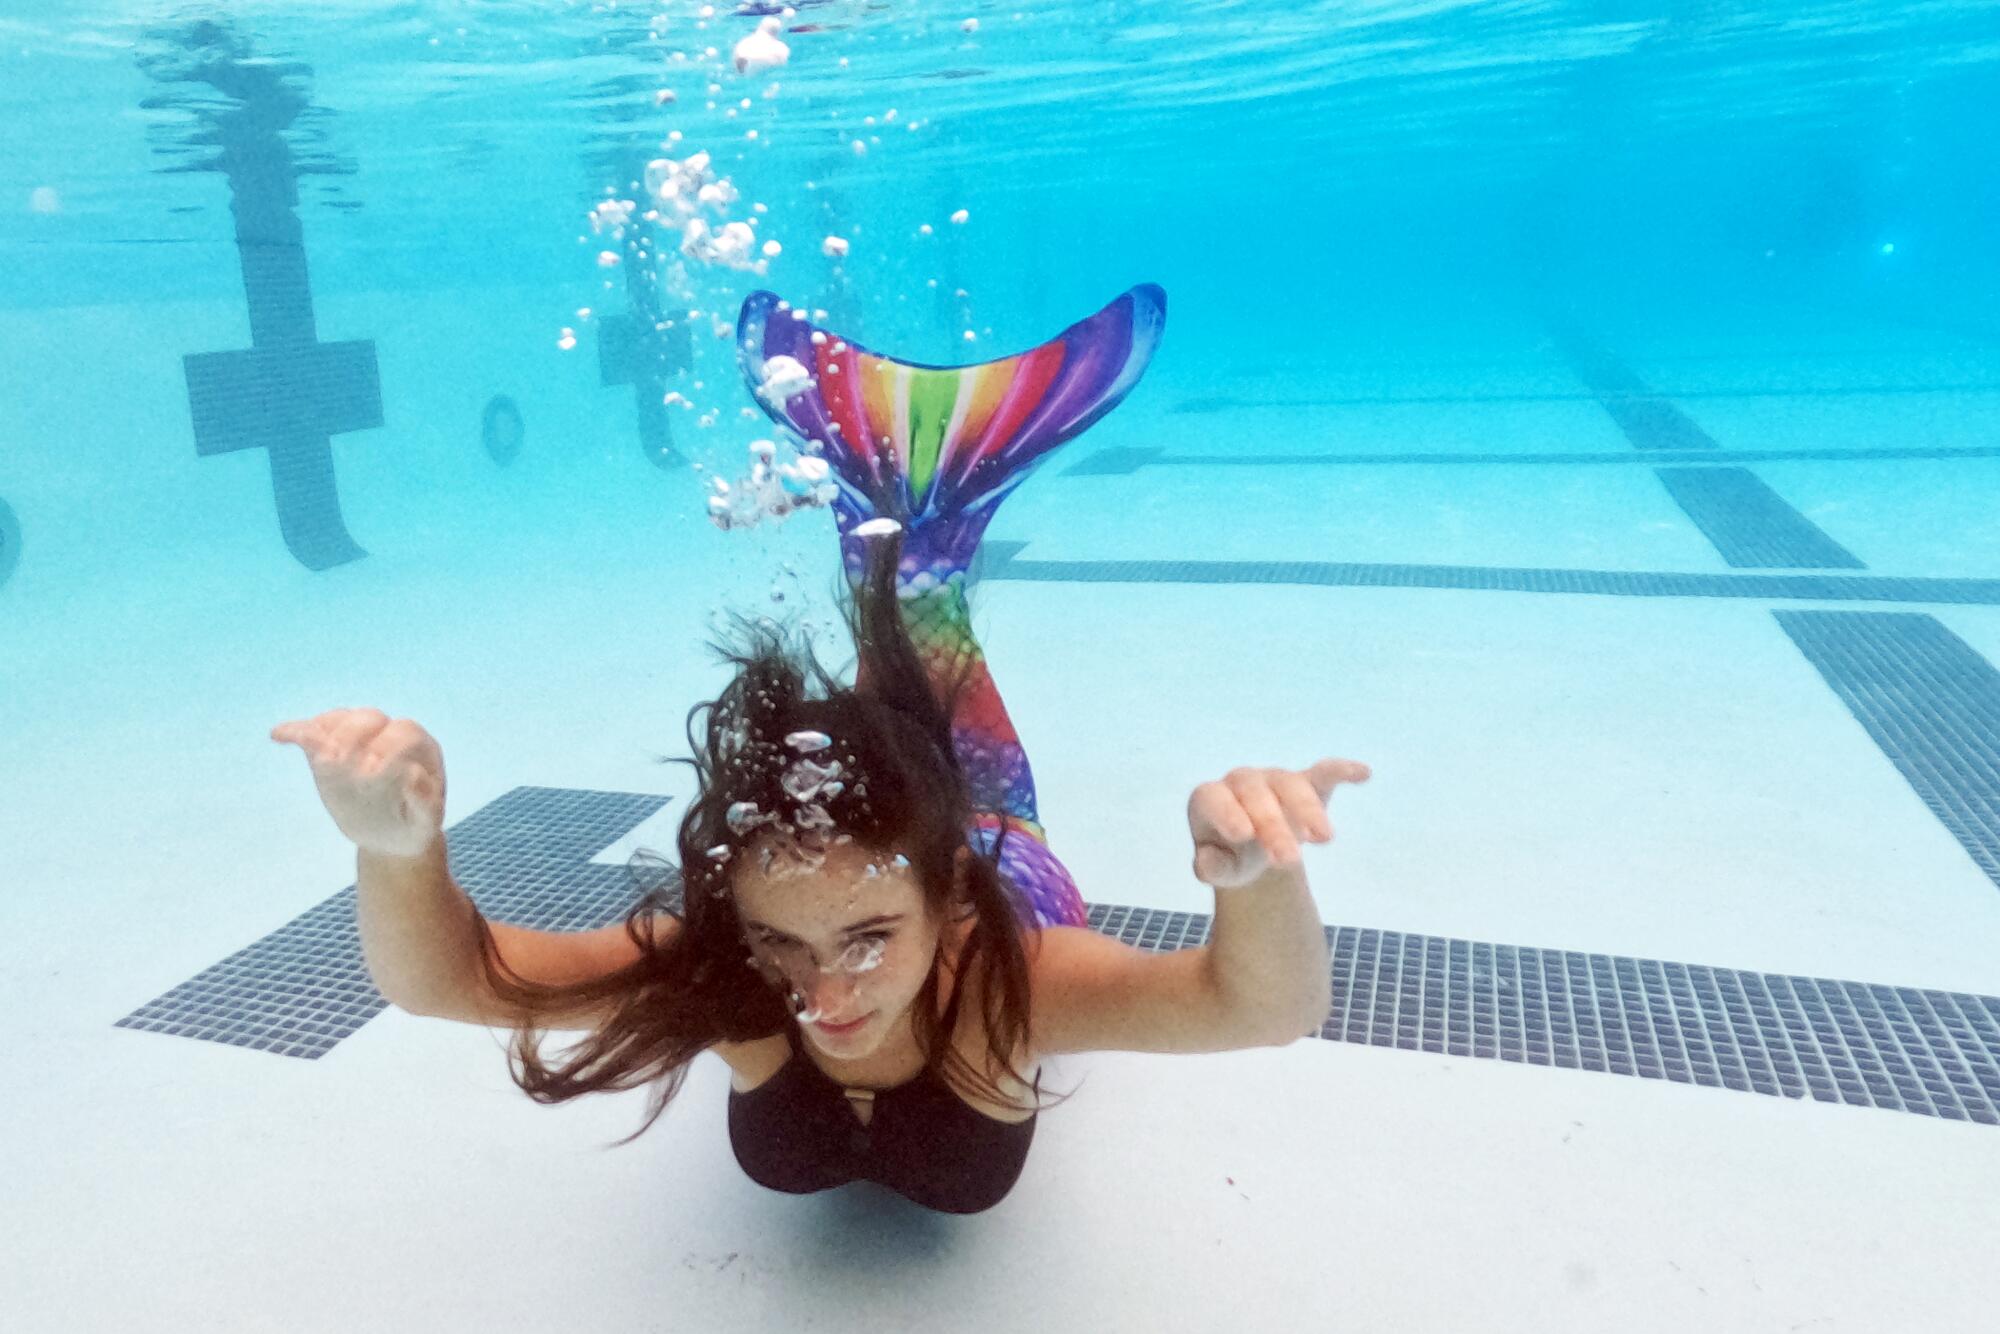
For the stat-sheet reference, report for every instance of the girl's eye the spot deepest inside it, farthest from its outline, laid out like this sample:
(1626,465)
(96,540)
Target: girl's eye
(867,945)
(873,938)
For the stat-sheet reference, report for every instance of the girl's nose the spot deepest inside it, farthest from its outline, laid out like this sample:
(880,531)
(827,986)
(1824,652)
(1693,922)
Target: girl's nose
(832,996)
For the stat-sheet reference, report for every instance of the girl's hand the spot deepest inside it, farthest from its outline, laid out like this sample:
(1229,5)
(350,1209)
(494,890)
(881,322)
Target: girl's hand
(382,781)
(1252,820)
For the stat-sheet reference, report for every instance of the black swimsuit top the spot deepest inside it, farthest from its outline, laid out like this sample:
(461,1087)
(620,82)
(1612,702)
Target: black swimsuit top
(797,1133)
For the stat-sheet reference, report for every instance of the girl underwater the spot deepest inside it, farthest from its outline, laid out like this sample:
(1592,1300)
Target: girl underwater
(907,794)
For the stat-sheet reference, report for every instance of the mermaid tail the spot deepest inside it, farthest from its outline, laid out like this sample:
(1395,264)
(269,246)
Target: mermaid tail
(937,448)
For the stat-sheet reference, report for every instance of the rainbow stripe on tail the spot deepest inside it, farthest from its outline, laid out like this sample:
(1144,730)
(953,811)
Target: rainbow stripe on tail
(937,448)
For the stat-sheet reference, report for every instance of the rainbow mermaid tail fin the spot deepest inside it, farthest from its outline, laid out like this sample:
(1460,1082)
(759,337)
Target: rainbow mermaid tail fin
(937,448)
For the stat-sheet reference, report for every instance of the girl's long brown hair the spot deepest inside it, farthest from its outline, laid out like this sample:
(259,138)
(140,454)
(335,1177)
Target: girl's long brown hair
(904,791)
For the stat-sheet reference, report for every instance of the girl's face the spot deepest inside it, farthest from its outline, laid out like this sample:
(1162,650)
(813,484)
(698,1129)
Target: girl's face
(844,932)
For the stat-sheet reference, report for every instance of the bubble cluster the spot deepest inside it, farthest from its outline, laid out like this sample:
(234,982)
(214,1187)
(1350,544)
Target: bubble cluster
(772,490)
(744,816)
(761,50)
(806,781)
(685,209)
(614,216)
(684,193)
(783,379)
(730,245)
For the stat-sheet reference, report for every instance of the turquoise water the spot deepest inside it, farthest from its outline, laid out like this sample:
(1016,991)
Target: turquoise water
(1586,415)
(1225,148)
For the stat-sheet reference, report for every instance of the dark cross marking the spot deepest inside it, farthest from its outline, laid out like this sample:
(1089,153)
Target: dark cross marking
(10,542)
(1557,458)
(637,350)
(1897,1048)
(1648,420)
(1117,461)
(525,860)
(1750,524)
(650,345)
(1929,700)
(288,393)
(1504,579)
(1924,696)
